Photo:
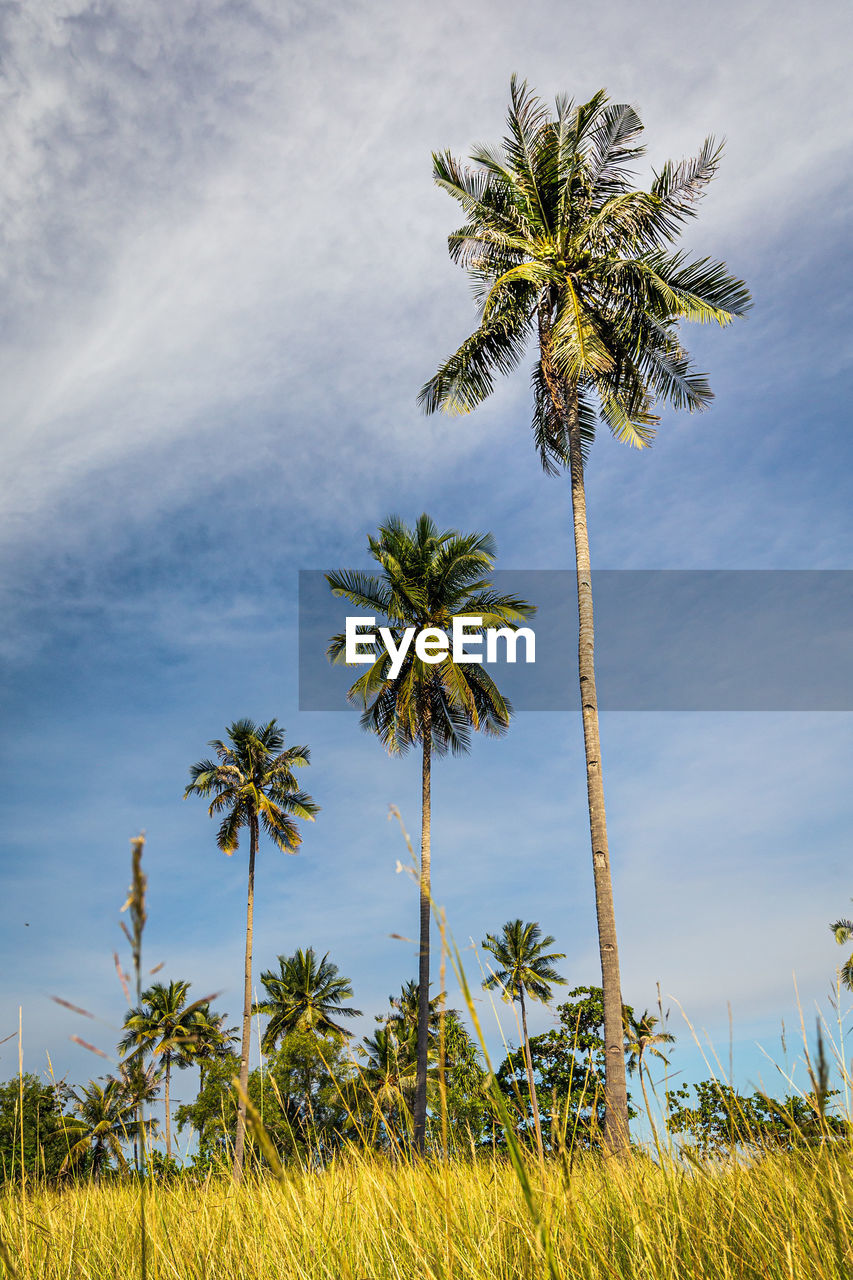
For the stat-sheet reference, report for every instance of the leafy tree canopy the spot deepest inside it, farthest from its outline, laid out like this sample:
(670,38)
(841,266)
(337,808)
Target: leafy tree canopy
(47,1131)
(304,1095)
(568,1064)
(717,1119)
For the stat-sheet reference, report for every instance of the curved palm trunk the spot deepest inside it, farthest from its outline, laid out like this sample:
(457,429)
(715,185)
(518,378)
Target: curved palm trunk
(239,1145)
(423,966)
(534,1101)
(565,404)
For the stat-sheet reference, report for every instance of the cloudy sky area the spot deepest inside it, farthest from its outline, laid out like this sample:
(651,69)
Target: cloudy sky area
(224,278)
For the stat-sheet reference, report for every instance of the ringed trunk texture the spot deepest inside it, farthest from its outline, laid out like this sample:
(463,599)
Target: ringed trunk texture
(615,1083)
(534,1101)
(239,1146)
(565,402)
(423,964)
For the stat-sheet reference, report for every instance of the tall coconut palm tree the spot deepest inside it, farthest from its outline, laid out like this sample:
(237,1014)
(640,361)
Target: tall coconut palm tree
(642,1042)
(303,996)
(253,785)
(524,967)
(428,578)
(165,1026)
(564,251)
(106,1120)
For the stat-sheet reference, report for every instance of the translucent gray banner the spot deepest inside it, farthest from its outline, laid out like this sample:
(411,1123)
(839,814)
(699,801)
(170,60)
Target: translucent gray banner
(666,640)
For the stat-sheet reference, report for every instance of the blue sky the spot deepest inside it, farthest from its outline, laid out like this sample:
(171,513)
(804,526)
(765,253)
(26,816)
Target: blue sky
(224,280)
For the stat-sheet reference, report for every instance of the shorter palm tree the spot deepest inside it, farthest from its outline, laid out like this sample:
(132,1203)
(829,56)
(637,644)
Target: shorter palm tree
(209,1038)
(403,1014)
(253,784)
(429,578)
(641,1043)
(524,967)
(142,1086)
(843,931)
(106,1120)
(165,1026)
(389,1076)
(303,996)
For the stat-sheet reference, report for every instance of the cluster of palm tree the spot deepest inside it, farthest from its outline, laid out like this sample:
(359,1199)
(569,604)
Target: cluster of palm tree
(171,1033)
(105,1118)
(567,255)
(306,1003)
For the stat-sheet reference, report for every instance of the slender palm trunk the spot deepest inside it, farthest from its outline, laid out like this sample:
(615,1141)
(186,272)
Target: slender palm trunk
(168,1104)
(534,1101)
(239,1145)
(423,966)
(615,1083)
(565,403)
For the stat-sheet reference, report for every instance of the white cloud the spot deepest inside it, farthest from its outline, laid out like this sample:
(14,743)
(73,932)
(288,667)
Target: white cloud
(217,220)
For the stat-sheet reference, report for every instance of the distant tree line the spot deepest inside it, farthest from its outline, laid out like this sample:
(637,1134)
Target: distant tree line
(316,1092)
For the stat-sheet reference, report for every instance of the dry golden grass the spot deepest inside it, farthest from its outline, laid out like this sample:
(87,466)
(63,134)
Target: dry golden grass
(365,1219)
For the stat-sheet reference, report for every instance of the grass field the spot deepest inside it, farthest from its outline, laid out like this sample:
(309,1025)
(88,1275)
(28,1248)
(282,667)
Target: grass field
(365,1219)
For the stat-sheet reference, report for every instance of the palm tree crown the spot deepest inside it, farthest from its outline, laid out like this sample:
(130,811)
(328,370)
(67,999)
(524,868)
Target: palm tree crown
(403,1012)
(429,577)
(163,1025)
(843,931)
(561,247)
(303,996)
(106,1121)
(523,967)
(642,1040)
(253,780)
(210,1037)
(390,1066)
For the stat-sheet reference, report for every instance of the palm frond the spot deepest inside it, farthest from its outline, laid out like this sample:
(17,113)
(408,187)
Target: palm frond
(610,150)
(467,377)
(680,186)
(554,226)
(362,589)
